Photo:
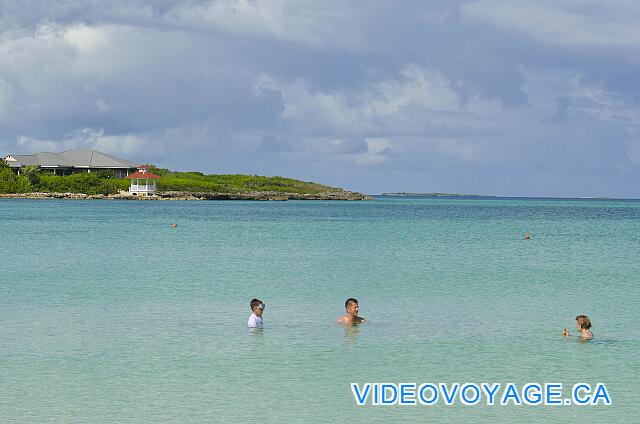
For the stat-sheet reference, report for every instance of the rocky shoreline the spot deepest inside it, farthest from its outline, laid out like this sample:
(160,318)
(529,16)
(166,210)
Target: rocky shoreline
(179,195)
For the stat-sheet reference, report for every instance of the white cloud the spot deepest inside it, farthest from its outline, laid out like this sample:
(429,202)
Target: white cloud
(54,66)
(417,100)
(569,23)
(315,24)
(377,151)
(80,139)
(326,112)
(326,24)
(419,87)
(85,38)
(87,138)
(127,144)
(584,99)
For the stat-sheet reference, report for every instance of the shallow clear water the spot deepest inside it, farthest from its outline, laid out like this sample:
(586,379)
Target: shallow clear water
(109,314)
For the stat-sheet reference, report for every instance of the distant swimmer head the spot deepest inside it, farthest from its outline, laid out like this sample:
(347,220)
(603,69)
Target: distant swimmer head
(257,306)
(583,322)
(527,236)
(174,225)
(351,316)
(351,306)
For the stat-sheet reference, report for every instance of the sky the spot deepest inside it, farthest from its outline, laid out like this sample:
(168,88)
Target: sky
(506,98)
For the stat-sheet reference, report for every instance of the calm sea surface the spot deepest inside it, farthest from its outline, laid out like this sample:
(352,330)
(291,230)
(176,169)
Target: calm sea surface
(108,314)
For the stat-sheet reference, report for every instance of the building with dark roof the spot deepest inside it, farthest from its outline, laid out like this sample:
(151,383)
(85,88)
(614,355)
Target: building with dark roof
(73,161)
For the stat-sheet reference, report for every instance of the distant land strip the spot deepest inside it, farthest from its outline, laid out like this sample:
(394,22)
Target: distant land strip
(411,194)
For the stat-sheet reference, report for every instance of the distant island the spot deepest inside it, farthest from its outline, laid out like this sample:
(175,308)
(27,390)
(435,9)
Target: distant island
(411,194)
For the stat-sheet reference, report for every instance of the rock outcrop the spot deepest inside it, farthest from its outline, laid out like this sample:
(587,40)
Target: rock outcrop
(180,195)
(266,195)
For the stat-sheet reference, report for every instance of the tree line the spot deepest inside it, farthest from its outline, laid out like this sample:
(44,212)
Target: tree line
(33,179)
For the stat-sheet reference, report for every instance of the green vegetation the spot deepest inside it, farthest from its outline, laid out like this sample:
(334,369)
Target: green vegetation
(89,183)
(231,183)
(31,179)
(12,183)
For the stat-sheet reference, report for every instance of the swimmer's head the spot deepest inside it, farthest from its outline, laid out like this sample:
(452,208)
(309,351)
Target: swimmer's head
(583,322)
(351,305)
(257,307)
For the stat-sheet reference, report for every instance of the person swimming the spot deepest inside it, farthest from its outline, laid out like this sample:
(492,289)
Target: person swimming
(351,316)
(257,309)
(583,324)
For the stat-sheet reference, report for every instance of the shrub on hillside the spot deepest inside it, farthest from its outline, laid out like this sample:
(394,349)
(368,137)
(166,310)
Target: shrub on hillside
(12,183)
(88,183)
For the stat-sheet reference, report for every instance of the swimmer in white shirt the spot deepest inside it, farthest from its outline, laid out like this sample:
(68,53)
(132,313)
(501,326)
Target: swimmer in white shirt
(257,308)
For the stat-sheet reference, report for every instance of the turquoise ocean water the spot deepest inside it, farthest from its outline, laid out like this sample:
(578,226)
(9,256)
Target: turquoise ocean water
(108,314)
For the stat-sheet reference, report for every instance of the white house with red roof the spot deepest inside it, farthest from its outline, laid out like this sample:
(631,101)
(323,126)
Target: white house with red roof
(143,182)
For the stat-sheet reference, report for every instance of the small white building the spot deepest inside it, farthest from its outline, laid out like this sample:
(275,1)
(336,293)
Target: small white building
(143,182)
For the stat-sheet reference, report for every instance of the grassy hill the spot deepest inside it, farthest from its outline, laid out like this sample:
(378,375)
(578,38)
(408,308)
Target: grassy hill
(230,183)
(32,179)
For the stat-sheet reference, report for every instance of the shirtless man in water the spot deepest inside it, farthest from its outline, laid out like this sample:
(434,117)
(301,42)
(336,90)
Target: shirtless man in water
(351,317)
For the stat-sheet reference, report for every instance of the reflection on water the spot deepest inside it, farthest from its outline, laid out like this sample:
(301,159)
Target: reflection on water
(351,332)
(256,338)
(595,340)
